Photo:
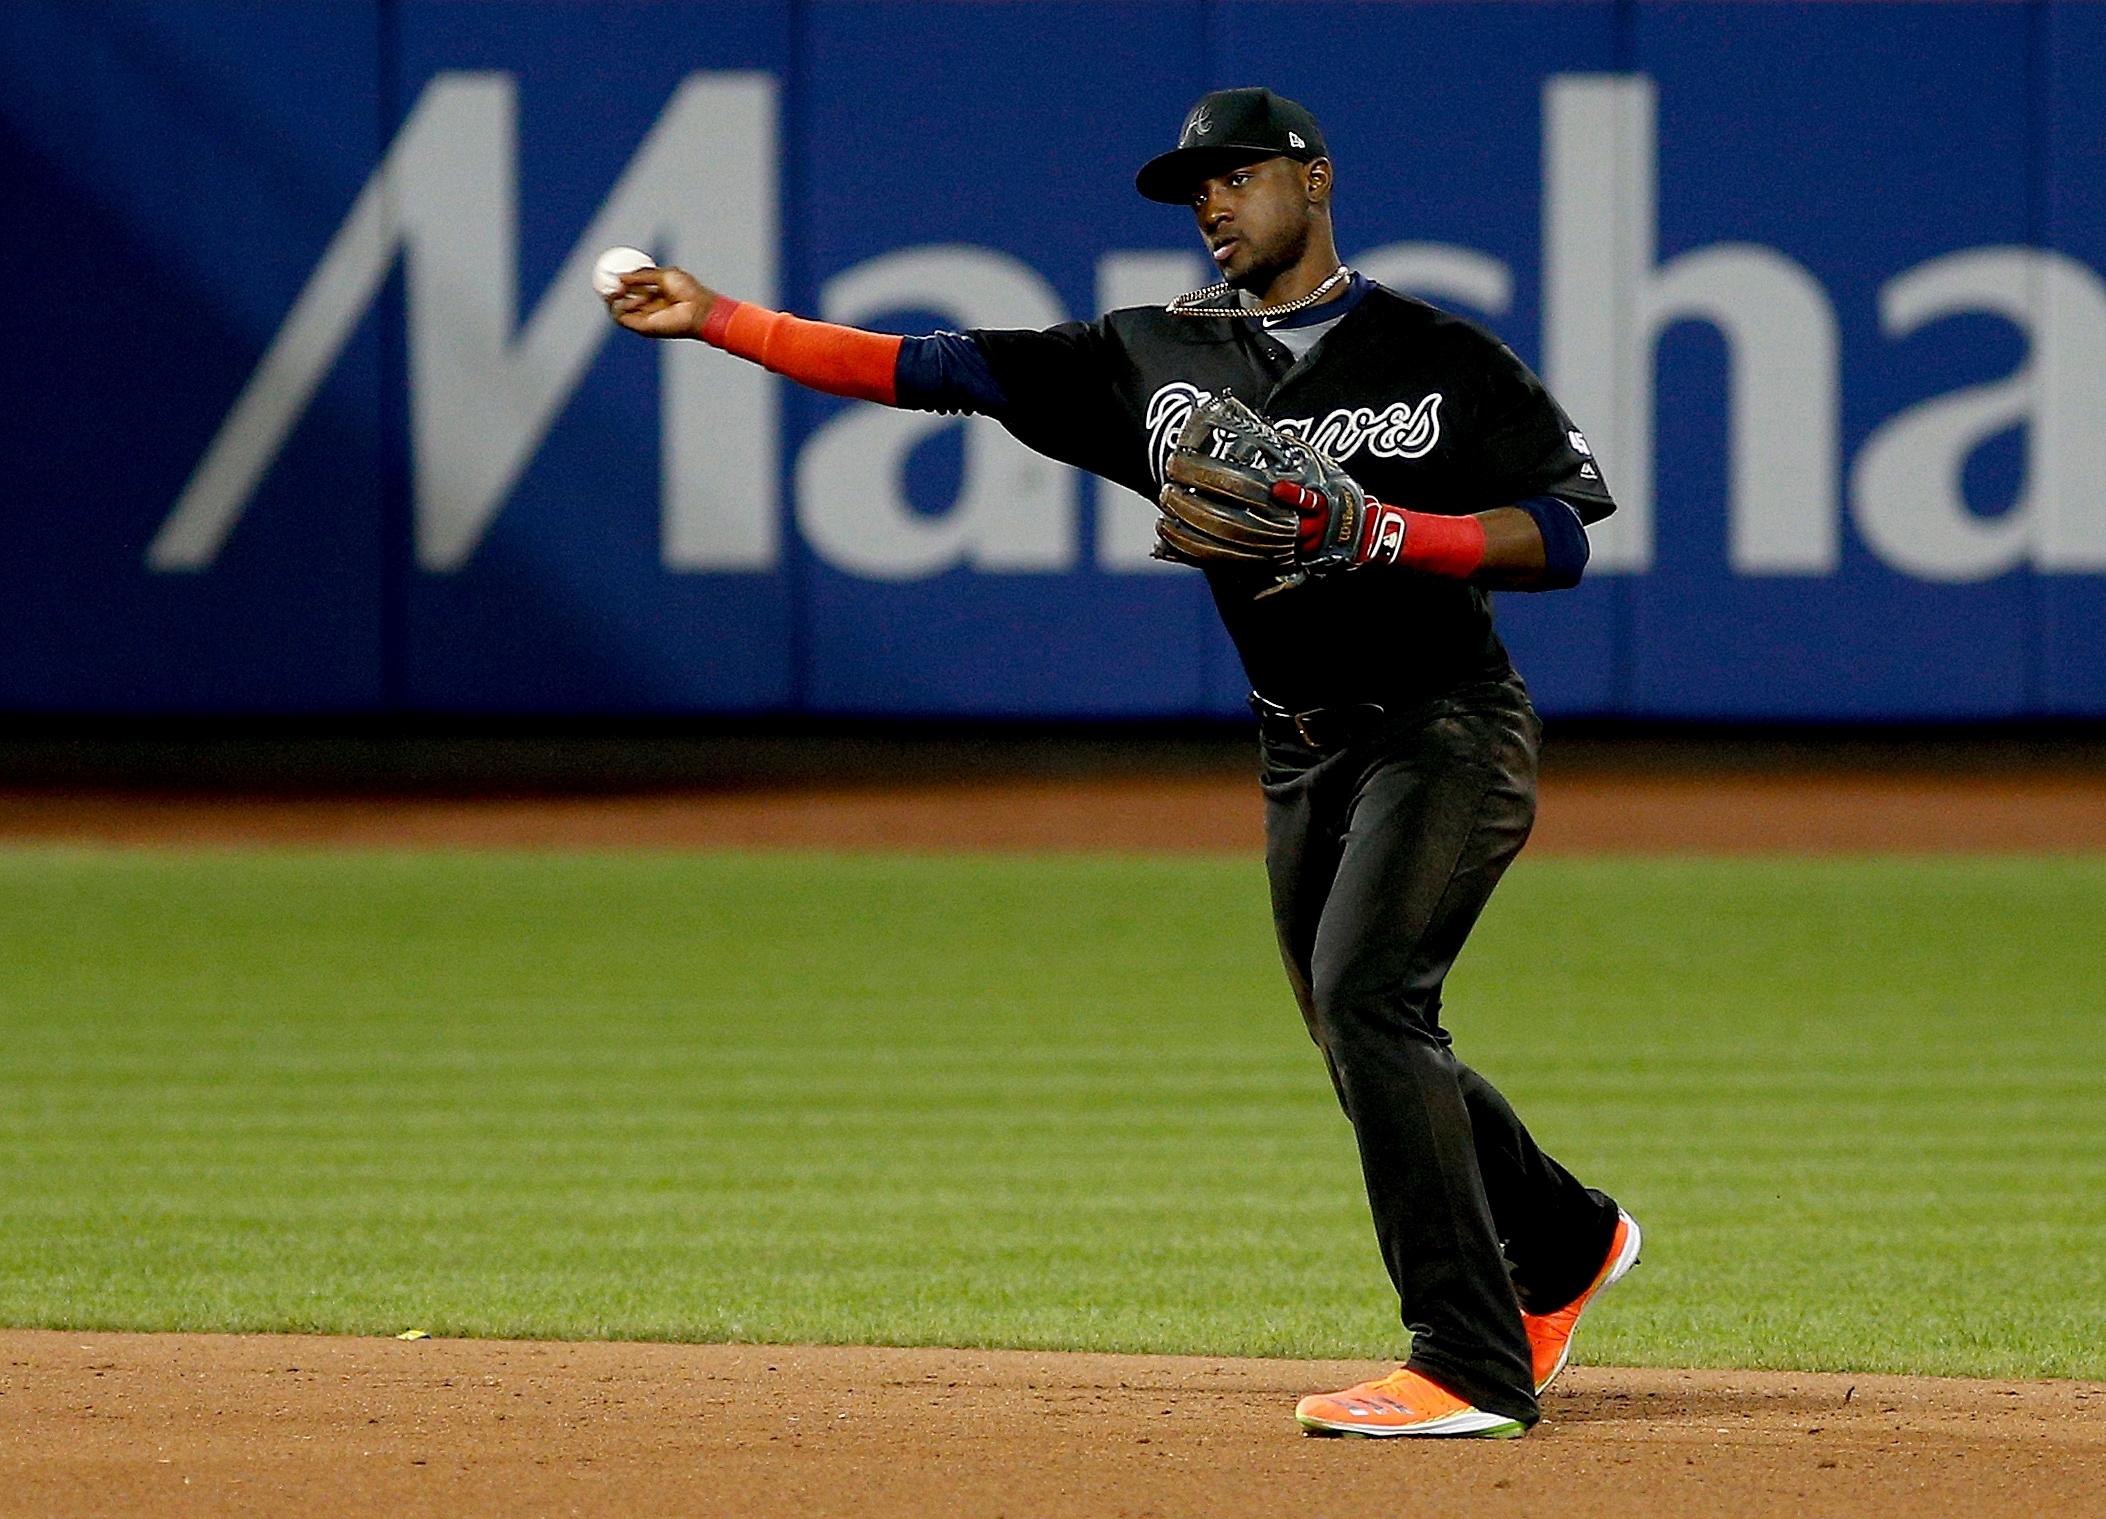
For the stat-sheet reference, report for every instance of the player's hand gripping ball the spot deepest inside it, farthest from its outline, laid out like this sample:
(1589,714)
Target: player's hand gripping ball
(1238,491)
(609,267)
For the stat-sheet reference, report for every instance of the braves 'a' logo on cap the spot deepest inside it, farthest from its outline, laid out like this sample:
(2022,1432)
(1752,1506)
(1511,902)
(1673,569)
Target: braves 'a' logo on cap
(1199,125)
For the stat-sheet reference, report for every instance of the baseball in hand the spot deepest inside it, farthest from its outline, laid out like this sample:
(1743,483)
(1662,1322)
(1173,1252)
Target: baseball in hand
(610,266)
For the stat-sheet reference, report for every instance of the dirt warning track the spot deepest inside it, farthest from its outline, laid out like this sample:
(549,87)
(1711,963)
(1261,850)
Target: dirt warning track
(1587,812)
(271,1424)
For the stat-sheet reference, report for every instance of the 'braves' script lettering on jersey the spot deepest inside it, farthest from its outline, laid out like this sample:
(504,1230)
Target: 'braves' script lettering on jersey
(1168,411)
(1400,430)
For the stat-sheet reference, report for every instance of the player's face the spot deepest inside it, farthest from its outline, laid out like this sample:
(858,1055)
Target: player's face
(1255,220)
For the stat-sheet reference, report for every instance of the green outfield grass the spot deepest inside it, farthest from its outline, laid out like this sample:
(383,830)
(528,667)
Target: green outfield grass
(1860,1106)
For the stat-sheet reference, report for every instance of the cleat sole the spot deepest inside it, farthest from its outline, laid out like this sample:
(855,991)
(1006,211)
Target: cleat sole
(1474,1424)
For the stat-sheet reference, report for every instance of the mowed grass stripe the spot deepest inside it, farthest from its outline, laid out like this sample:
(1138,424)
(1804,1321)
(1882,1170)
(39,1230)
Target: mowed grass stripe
(1860,1105)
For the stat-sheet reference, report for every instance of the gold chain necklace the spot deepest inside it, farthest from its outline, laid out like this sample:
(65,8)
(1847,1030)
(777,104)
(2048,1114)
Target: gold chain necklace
(1207,302)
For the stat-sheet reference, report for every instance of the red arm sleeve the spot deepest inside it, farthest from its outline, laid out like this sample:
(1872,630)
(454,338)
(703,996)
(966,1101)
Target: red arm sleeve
(1427,541)
(842,361)
(1436,545)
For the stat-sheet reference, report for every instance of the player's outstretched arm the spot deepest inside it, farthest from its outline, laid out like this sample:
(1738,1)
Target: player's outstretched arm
(1050,388)
(842,361)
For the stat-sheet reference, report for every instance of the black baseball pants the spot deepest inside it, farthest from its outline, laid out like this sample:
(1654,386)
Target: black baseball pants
(1381,854)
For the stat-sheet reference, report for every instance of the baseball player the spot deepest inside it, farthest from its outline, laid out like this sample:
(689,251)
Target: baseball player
(1352,469)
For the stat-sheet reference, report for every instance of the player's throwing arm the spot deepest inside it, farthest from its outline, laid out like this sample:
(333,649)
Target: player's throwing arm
(671,303)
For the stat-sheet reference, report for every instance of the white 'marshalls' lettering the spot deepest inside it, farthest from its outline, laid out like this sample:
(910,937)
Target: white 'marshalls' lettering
(1401,430)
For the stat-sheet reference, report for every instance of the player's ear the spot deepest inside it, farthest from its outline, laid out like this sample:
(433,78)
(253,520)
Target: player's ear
(1318,178)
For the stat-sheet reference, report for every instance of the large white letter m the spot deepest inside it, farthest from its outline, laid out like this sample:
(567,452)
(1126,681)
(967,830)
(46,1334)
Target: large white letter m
(700,190)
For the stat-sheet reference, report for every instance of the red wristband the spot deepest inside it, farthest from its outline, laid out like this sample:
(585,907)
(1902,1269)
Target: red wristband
(720,314)
(842,361)
(1425,541)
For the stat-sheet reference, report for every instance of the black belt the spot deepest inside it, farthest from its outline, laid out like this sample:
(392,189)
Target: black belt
(1319,727)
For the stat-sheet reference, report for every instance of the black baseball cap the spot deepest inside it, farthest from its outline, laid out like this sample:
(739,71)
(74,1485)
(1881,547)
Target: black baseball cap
(1226,129)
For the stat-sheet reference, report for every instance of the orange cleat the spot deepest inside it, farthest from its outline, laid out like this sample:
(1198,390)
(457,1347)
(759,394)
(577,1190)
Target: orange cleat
(1402,1403)
(1550,1334)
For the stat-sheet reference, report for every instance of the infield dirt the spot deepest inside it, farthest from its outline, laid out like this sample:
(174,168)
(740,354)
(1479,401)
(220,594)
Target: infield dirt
(268,1424)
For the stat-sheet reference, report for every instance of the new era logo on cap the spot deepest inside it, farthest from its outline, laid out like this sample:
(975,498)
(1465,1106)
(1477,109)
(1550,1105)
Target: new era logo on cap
(1296,139)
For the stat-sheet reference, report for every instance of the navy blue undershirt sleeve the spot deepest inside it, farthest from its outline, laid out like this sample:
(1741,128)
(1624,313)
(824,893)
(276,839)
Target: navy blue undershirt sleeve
(1565,545)
(947,372)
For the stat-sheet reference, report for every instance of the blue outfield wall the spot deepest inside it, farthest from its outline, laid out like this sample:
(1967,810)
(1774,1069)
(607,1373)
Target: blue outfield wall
(308,407)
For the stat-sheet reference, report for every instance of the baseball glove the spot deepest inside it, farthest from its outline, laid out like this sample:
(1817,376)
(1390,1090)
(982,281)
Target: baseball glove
(1239,492)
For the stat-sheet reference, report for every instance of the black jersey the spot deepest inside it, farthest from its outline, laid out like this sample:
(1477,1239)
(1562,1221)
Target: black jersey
(1424,409)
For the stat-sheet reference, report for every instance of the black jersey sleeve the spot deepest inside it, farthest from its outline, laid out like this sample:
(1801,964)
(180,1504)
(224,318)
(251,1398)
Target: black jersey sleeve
(1060,393)
(1526,445)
